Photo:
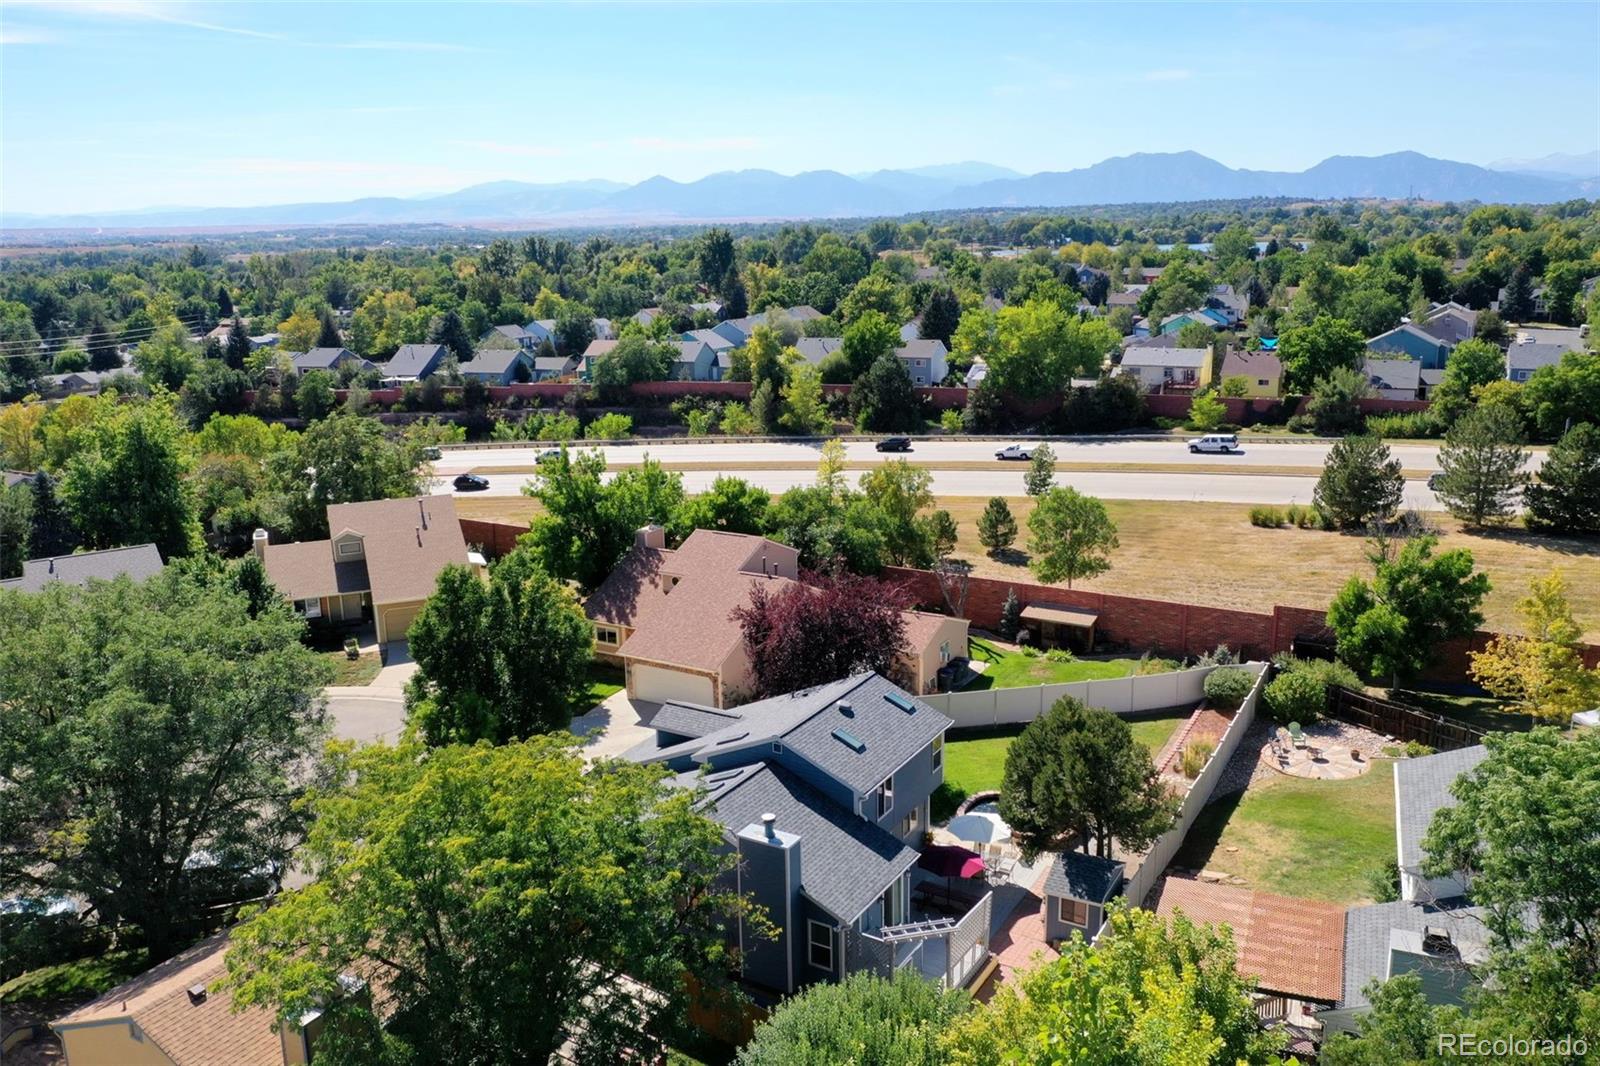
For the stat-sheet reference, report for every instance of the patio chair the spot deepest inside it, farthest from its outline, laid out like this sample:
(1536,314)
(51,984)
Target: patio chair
(1000,871)
(1297,735)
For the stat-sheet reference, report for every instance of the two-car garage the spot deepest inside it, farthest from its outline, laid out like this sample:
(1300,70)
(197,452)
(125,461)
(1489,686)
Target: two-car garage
(659,684)
(393,619)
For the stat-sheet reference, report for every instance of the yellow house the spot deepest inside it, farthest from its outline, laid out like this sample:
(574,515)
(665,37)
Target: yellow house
(170,1016)
(380,563)
(1261,371)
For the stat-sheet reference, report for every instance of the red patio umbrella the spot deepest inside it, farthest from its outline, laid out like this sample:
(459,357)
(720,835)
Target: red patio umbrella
(950,861)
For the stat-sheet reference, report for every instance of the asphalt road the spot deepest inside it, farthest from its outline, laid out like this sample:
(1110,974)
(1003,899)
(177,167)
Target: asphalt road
(1005,479)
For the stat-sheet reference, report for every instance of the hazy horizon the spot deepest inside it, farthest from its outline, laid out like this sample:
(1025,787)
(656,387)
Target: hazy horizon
(117,106)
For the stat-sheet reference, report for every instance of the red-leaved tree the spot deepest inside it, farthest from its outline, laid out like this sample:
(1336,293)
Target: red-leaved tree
(828,628)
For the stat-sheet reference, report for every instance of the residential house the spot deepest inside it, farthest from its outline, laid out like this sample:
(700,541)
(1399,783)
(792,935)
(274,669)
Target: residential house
(1168,369)
(1207,317)
(499,366)
(1261,370)
(1450,322)
(802,313)
(379,563)
(1126,298)
(1532,348)
(1541,306)
(824,796)
(77,382)
(264,340)
(976,373)
(721,348)
(1086,275)
(738,330)
(1148,275)
(710,307)
(180,1013)
(539,331)
(924,360)
(1412,342)
(330,359)
(555,367)
(510,335)
(665,616)
(695,361)
(646,315)
(1235,306)
(138,563)
(1422,789)
(911,330)
(1077,888)
(604,330)
(596,349)
(414,362)
(1394,379)
(815,349)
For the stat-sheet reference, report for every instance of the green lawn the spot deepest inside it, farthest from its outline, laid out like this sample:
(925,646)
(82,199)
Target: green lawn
(1012,669)
(1313,839)
(358,671)
(80,979)
(604,680)
(1481,712)
(976,761)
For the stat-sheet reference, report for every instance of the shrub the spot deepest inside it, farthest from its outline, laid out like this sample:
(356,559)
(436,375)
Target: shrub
(1163,422)
(1060,655)
(1301,424)
(559,426)
(1266,517)
(737,421)
(1194,757)
(1408,425)
(699,423)
(1383,882)
(1226,687)
(950,420)
(1030,651)
(1328,671)
(1149,664)
(1416,749)
(610,426)
(1221,655)
(1297,696)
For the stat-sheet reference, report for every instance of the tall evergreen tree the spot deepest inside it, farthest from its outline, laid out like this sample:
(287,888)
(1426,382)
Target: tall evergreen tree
(940,317)
(448,329)
(1566,498)
(328,331)
(997,528)
(1516,305)
(238,348)
(224,302)
(735,300)
(50,527)
(102,346)
(1482,460)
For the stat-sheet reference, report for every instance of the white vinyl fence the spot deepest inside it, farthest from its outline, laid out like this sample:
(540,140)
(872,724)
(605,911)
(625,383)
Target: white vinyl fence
(1144,878)
(1120,695)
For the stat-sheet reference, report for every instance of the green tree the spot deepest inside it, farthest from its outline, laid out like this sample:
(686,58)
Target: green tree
(714,258)
(1522,828)
(1072,537)
(448,329)
(588,525)
(215,388)
(1472,364)
(1041,473)
(1316,350)
(1150,993)
(900,491)
(1206,412)
(166,357)
(1392,625)
(804,409)
(328,335)
(1540,670)
(1482,461)
(865,1019)
(1335,404)
(475,679)
(342,459)
(50,528)
(884,398)
(1561,396)
(102,347)
(154,723)
(1077,770)
(16,514)
(314,397)
(238,348)
(1010,615)
(125,484)
(866,340)
(941,316)
(1361,482)
(830,529)
(876,293)
(1400,1028)
(997,528)
(1566,496)
(634,359)
(508,898)
(1516,302)
(1039,346)
(731,505)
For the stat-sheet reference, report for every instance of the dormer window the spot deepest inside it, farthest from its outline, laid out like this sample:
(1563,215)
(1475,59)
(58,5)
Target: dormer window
(349,548)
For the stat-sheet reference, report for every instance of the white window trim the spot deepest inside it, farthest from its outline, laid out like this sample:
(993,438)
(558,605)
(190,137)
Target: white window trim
(310,608)
(885,796)
(605,635)
(354,545)
(1061,915)
(937,752)
(812,944)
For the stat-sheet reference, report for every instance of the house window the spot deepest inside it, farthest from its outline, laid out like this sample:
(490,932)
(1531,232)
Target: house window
(349,547)
(309,608)
(891,904)
(938,752)
(907,826)
(605,635)
(819,945)
(886,796)
(1262,382)
(944,653)
(1072,912)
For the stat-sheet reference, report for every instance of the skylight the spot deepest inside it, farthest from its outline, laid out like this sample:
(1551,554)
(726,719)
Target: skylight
(900,702)
(851,741)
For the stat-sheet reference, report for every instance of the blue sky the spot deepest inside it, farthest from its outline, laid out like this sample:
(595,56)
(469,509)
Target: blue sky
(111,105)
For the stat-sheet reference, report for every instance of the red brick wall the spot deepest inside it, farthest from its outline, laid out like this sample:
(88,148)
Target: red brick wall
(495,538)
(1177,628)
(1176,406)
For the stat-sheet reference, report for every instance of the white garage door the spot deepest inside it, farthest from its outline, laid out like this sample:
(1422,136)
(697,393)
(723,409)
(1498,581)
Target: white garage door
(659,685)
(397,618)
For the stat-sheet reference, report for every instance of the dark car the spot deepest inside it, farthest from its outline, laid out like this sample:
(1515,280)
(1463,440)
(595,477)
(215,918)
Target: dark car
(471,483)
(894,444)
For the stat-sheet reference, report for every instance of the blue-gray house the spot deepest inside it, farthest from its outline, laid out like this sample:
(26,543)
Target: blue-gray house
(499,366)
(1413,343)
(824,795)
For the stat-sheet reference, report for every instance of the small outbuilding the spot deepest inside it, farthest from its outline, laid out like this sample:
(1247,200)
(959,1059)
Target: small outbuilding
(1077,888)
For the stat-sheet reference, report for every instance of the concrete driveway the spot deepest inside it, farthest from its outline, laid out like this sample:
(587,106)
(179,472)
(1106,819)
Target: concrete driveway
(621,722)
(376,711)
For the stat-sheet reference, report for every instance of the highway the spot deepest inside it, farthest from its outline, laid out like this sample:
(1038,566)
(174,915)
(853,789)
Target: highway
(1003,479)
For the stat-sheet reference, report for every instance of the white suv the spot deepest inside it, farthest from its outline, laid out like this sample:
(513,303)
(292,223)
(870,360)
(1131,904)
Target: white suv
(1215,442)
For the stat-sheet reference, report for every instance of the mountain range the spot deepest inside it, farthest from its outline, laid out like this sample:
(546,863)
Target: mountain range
(746,195)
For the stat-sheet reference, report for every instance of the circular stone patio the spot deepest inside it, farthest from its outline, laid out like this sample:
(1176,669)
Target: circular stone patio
(1331,751)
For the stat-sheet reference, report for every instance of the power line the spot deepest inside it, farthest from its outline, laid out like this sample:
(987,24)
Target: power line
(26,348)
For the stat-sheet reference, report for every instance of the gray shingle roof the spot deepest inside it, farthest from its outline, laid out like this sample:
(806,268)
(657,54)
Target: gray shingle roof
(815,349)
(414,360)
(1083,876)
(1402,374)
(846,862)
(1368,935)
(691,719)
(138,563)
(806,720)
(1533,356)
(1147,355)
(325,358)
(492,360)
(717,341)
(1421,787)
(921,349)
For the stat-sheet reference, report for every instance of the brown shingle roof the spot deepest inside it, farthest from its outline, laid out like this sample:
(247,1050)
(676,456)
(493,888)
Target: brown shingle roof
(1241,363)
(306,570)
(191,1034)
(407,542)
(1291,946)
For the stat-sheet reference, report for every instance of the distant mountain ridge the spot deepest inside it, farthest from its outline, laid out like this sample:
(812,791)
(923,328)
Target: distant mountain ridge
(1163,177)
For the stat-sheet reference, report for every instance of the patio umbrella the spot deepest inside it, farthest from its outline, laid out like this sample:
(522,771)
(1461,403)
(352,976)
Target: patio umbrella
(979,827)
(949,861)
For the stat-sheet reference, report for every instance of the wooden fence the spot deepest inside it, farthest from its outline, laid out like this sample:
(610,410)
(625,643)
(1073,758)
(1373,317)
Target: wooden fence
(1399,721)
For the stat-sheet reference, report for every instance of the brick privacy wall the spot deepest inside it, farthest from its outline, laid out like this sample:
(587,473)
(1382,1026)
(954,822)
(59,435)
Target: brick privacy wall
(1178,629)
(495,538)
(1239,407)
